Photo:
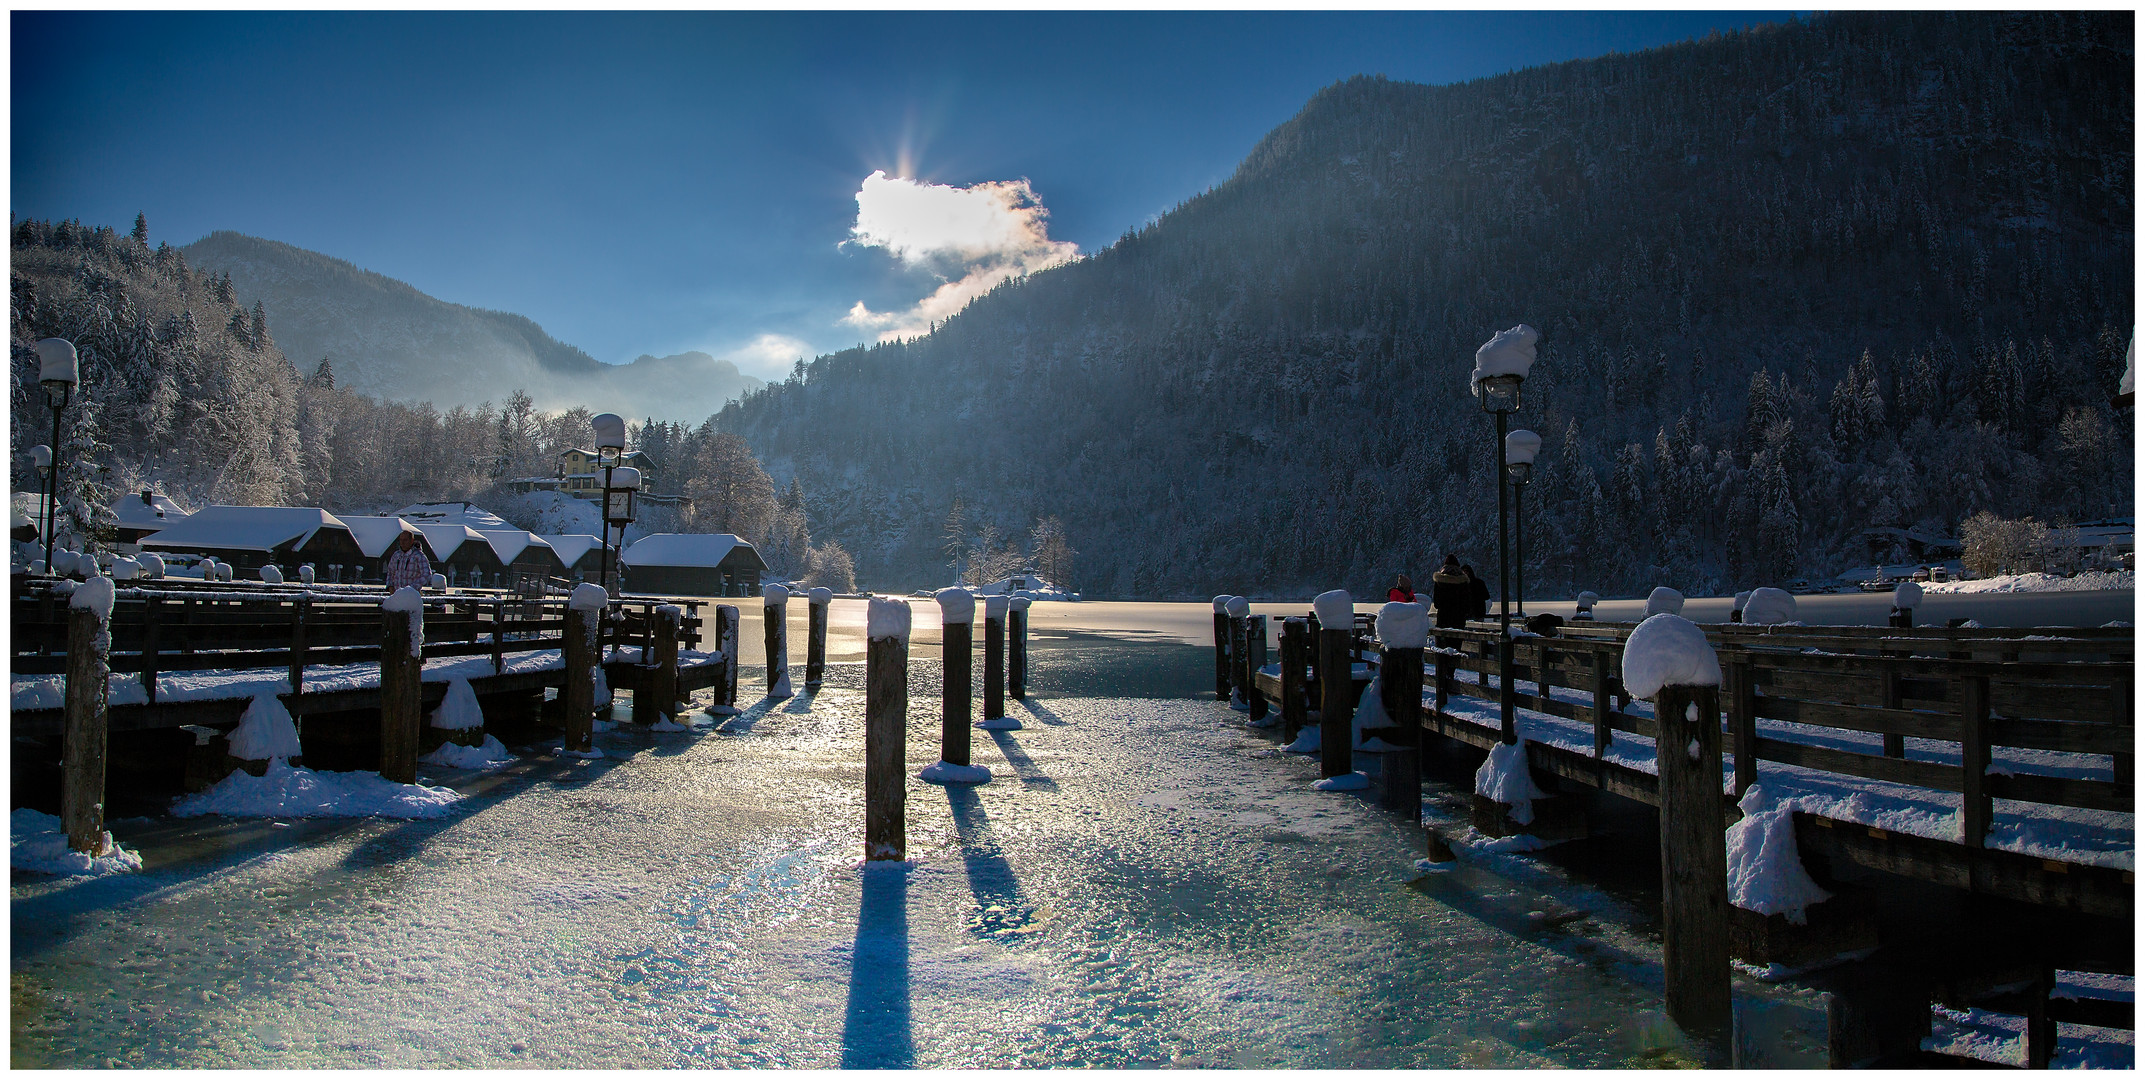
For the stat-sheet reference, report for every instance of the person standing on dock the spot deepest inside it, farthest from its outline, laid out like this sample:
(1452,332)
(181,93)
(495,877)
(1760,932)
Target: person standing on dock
(408,565)
(1479,590)
(1402,592)
(1451,593)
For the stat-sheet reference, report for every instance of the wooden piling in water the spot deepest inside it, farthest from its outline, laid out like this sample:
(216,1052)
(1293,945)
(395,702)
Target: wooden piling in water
(84,740)
(581,650)
(661,686)
(1221,648)
(726,643)
(815,637)
(1400,688)
(1295,644)
(776,624)
(1238,652)
(1336,683)
(1016,649)
(1694,859)
(401,692)
(886,714)
(994,609)
(1254,659)
(957,615)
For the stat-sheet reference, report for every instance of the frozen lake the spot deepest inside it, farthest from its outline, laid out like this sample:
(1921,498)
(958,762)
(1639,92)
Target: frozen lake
(1146,883)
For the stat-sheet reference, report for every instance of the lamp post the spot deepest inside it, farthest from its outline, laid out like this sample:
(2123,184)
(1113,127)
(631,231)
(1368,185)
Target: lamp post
(625,483)
(610,442)
(60,370)
(1500,367)
(1520,447)
(41,459)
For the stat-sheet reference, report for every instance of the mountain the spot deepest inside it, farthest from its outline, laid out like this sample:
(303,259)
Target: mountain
(389,340)
(1864,269)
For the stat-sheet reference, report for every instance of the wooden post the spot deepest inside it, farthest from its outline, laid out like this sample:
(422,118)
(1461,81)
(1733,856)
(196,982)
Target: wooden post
(1314,655)
(1016,649)
(1694,859)
(298,610)
(815,637)
(1400,683)
(657,697)
(956,697)
(1254,659)
(152,621)
(886,721)
(776,615)
(498,636)
(581,648)
(1336,713)
(83,740)
(1974,804)
(1603,733)
(401,691)
(1895,745)
(994,609)
(1221,648)
(1239,652)
(1294,708)
(1743,720)
(2119,705)
(726,639)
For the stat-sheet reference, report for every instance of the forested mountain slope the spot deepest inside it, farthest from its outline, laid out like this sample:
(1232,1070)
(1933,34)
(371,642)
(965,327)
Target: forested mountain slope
(1864,269)
(393,342)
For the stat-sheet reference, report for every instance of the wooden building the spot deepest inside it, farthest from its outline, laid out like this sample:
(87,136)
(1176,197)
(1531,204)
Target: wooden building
(250,537)
(693,564)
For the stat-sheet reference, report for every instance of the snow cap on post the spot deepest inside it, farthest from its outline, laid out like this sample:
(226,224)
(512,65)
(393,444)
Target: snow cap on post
(223,571)
(96,595)
(272,574)
(439,581)
(819,597)
(57,362)
(1239,607)
(1403,625)
(776,595)
(124,569)
(955,605)
(1907,596)
(1767,606)
(152,564)
(887,618)
(1221,603)
(994,607)
(1589,599)
(1521,446)
(40,456)
(1668,650)
(1741,599)
(1511,352)
(1664,601)
(589,596)
(1022,603)
(610,430)
(626,478)
(1335,610)
(305,574)
(406,600)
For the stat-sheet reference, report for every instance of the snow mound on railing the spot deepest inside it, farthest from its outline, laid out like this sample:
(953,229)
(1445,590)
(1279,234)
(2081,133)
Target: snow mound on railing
(1765,871)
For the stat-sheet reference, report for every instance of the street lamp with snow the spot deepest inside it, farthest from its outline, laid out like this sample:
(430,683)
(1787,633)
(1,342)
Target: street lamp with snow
(1520,448)
(1500,368)
(610,431)
(60,369)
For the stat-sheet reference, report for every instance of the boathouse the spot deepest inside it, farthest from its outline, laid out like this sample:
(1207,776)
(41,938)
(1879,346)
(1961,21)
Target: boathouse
(144,512)
(580,555)
(693,564)
(250,537)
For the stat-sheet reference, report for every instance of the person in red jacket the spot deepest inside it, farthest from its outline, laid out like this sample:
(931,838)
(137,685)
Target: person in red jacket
(1402,592)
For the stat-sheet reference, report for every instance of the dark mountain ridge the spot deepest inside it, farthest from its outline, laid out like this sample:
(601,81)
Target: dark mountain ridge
(1867,269)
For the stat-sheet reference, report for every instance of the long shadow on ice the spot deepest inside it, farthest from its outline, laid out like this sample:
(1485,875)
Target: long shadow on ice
(1036,710)
(875,1028)
(999,901)
(1021,762)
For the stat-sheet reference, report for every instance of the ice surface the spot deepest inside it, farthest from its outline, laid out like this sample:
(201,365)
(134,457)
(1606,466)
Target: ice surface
(1404,625)
(887,617)
(1668,650)
(955,605)
(36,842)
(266,731)
(1664,599)
(1504,778)
(1334,609)
(1765,871)
(291,791)
(459,710)
(1768,607)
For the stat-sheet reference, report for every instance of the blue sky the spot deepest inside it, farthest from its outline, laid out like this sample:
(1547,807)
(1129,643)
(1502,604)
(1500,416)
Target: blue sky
(659,182)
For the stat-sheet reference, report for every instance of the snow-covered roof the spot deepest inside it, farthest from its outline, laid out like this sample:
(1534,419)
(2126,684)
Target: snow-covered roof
(445,540)
(141,510)
(510,544)
(571,546)
(374,535)
(245,528)
(683,549)
(454,513)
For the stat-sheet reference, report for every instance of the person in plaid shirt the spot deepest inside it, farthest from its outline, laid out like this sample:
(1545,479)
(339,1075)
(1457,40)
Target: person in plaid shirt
(408,565)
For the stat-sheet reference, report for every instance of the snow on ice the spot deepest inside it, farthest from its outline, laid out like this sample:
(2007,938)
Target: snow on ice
(943,772)
(454,755)
(36,842)
(291,791)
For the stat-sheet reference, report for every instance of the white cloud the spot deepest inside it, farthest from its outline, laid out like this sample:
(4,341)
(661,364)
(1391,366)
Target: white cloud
(973,238)
(769,356)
